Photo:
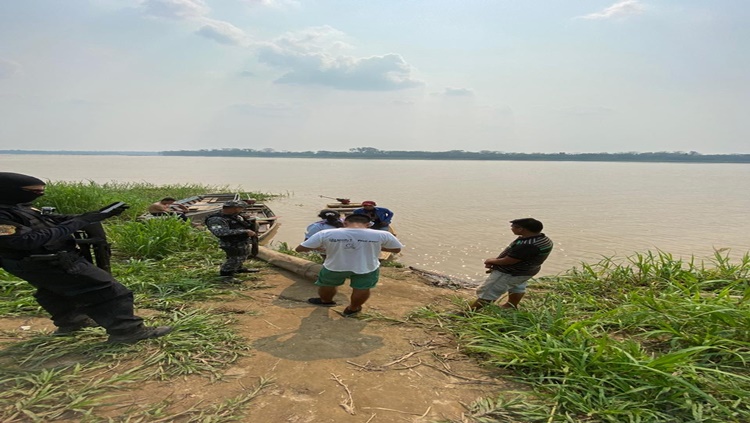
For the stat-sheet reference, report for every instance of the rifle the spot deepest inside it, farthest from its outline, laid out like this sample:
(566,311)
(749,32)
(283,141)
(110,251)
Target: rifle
(94,246)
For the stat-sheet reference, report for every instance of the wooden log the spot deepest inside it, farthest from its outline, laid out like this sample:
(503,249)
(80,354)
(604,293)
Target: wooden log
(302,267)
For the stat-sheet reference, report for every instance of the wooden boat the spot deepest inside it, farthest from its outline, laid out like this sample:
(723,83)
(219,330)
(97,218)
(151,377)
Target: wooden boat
(201,206)
(346,208)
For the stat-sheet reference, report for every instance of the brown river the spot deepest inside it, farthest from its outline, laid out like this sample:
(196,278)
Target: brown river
(451,215)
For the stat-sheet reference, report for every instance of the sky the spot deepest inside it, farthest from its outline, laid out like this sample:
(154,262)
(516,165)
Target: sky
(433,75)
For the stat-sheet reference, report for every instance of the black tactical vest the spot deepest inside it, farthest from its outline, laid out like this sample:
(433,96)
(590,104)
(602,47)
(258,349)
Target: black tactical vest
(25,218)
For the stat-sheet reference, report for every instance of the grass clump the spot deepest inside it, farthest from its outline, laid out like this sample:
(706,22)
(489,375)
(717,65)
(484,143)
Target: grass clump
(38,387)
(229,410)
(56,393)
(651,339)
(16,296)
(158,238)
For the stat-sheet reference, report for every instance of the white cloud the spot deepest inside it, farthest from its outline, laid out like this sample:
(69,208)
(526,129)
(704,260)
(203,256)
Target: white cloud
(196,11)
(175,9)
(620,9)
(458,92)
(311,57)
(276,4)
(222,32)
(9,68)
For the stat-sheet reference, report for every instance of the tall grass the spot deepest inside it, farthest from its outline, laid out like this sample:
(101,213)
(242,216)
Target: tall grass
(650,338)
(170,266)
(81,197)
(158,238)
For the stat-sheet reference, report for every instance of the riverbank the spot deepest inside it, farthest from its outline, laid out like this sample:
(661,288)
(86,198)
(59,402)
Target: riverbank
(257,351)
(308,364)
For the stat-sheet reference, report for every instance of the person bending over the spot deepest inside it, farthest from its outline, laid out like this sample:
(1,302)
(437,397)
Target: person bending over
(331,220)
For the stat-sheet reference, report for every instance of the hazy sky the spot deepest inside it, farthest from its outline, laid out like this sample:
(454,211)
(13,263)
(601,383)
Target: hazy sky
(501,75)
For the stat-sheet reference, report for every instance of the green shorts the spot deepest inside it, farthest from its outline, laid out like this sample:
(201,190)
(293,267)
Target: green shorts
(364,281)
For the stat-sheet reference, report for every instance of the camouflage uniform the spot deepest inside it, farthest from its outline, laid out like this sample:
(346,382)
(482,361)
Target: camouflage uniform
(233,239)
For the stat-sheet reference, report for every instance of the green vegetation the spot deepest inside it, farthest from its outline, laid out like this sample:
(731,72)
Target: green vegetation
(172,269)
(157,238)
(652,339)
(81,197)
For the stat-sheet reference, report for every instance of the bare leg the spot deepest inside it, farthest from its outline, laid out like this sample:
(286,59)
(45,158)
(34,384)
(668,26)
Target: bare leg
(513,299)
(359,296)
(326,293)
(479,303)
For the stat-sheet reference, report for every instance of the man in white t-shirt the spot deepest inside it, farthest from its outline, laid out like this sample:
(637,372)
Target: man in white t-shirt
(351,252)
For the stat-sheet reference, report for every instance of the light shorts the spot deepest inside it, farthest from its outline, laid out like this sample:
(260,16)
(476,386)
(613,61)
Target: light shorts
(498,283)
(364,281)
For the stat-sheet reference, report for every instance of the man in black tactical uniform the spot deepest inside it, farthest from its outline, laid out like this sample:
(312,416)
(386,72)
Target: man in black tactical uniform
(236,235)
(41,250)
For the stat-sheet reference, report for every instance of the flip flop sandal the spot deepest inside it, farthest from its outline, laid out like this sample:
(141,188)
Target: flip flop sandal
(318,301)
(349,313)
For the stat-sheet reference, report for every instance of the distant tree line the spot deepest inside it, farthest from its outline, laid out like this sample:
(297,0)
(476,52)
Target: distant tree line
(374,153)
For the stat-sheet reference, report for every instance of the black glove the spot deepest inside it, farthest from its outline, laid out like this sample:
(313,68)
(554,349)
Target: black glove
(92,217)
(114,209)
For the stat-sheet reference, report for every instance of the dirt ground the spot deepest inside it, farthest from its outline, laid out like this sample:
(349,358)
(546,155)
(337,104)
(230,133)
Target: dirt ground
(328,368)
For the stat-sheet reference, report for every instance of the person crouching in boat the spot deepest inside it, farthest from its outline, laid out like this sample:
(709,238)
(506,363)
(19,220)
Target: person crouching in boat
(331,220)
(379,216)
(235,234)
(167,207)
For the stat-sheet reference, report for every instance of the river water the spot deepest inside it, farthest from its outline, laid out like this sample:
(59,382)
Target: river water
(451,215)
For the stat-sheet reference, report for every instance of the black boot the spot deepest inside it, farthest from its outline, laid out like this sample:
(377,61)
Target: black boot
(246,270)
(72,327)
(143,332)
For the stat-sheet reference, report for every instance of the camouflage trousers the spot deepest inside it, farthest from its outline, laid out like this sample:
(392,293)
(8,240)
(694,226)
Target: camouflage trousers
(236,256)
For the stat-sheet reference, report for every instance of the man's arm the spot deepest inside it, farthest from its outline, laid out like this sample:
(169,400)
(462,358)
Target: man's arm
(387,216)
(179,207)
(24,238)
(391,244)
(157,208)
(220,228)
(311,244)
(504,261)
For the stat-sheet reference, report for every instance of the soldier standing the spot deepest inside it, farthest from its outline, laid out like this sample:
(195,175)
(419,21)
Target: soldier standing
(235,234)
(41,250)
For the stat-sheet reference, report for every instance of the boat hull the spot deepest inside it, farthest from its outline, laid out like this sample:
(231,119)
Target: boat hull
(201,206)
